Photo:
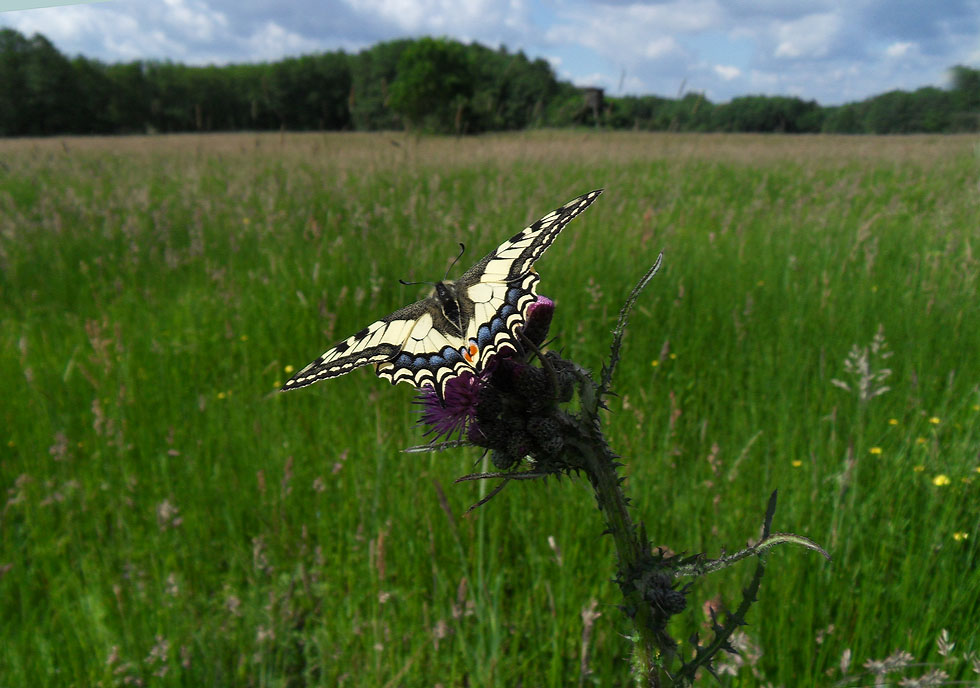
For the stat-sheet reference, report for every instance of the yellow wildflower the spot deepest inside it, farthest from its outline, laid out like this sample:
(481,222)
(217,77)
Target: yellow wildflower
(875,450)
(797,463)
(288,369)
(221,395)
(941,480)
(893,421)
(673,356)
(934,420)
(960,536)
(655,363)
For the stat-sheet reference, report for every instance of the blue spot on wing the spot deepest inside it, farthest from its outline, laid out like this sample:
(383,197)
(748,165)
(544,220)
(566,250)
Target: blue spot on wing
(445,358)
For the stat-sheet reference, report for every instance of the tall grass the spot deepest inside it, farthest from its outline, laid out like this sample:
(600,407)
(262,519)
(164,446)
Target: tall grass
(169,519)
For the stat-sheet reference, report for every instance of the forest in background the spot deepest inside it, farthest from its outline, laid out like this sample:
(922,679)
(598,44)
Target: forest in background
(428,84)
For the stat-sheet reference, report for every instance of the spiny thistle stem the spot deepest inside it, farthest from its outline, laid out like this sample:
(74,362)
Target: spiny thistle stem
(516,412)
(599,464)
(624,312)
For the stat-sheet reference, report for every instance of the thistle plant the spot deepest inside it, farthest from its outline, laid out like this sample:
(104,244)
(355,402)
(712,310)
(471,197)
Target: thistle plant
(540,415)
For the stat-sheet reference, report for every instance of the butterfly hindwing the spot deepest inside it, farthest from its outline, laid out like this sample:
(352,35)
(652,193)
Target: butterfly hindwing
(431,355)
(460,327)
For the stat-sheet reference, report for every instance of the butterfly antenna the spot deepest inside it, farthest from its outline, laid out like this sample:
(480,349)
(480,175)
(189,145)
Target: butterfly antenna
(462,249)
(415,284)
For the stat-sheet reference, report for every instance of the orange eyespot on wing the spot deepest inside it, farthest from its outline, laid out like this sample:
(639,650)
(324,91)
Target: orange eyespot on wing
(470,351)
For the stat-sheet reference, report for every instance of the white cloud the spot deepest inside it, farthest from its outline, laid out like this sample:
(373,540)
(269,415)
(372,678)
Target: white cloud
(594,79)
(194,19)
(58,24)
(810,36)
(661,47)
(633,84)
(828,50)
(727,72)
(899,49)
(763,82)
(271,41)
(405,14)
(449,17)
(629,34)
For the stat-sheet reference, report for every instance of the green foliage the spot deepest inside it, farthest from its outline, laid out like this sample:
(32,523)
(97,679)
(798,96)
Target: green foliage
(768,114)
(438,85)
(39,90)
(373,72)
(311,92)
(567,108)
(127,108)
(899,112)
(432,85)
(966,99)
(509,91)
(966,89)
(650,113)
(169,518)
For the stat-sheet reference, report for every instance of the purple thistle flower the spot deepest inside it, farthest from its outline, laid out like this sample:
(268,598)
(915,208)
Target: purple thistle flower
(539,316)
(471,400)
(456,413)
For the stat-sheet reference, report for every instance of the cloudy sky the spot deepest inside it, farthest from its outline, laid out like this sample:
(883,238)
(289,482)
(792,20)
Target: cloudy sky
(832,51)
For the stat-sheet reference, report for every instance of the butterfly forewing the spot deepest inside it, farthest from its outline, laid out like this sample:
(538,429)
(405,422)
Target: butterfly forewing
(514,258)
(378,342)
(417,344)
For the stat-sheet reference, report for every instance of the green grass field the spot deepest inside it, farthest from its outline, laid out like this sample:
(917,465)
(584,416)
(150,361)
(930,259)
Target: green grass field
(168,518)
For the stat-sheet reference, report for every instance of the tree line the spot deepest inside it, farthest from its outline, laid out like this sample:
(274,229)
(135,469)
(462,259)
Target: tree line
(427,84)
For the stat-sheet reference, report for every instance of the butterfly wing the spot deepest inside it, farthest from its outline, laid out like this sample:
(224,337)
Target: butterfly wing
(513,259)
(431,355)
(414,344)
(497,291)
(378,342)
(417,344)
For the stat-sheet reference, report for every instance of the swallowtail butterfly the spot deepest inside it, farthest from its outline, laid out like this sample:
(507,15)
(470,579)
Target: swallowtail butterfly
(461,326)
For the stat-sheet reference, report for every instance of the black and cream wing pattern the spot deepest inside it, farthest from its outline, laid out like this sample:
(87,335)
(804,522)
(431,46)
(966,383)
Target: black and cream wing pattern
(461,326)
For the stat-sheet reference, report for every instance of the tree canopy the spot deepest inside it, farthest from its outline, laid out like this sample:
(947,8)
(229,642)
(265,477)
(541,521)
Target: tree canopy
(426,84)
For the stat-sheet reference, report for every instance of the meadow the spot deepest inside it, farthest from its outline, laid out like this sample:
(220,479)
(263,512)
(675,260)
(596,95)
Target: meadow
(169,518)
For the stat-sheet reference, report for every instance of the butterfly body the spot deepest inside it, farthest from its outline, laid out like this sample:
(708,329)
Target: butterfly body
(461,326)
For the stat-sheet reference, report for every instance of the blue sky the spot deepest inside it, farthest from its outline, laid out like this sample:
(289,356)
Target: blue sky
(832,51)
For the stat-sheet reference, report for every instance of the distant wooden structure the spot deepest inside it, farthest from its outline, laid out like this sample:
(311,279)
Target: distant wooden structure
(594,100)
